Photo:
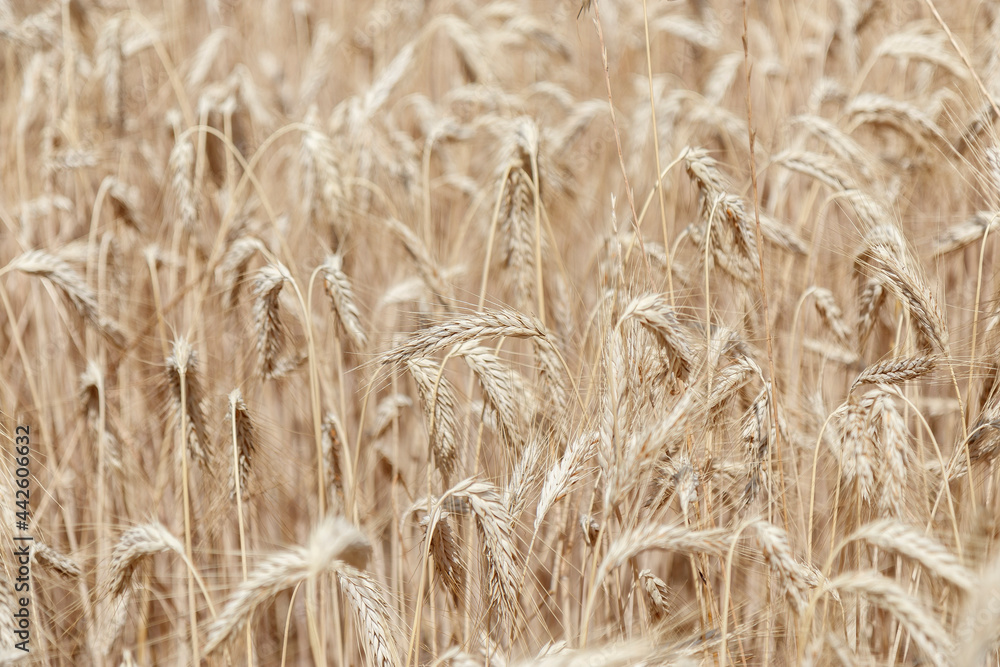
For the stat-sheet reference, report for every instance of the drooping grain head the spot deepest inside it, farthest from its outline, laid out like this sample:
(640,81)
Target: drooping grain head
(184,386)
(245,437)
(267,319)
(338,288)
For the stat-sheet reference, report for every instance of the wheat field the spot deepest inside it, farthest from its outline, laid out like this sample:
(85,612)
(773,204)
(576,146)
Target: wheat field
(643,332)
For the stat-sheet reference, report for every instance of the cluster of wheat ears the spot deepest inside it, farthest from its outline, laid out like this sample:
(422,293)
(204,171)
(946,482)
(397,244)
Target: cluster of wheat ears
(514,332)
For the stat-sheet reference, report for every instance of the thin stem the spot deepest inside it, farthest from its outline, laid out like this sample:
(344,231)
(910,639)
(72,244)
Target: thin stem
(656,154)
(751,135)
(237,484)
(189,554)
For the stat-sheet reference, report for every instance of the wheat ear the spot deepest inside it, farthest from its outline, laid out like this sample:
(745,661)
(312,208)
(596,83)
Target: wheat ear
(334,544)
(73,287)
(338,288)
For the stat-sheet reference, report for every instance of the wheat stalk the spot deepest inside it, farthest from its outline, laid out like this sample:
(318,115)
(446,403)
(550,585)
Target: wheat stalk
(913,544)
(671,538)
(438,398)
(922,627)
(71,284)
(338,288)
(504,390)
(182,181)
(831,313)
(48,557)
(333,546)
(446,552)
(564,475)
(134,546)
(246,442)
(654,312)
(656,593)
(893,439)
(500,555)
(489,324)
(795,577)
(267,318)
(887,257)
(895,371)
(182,368)
(372,615)
(389,410)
